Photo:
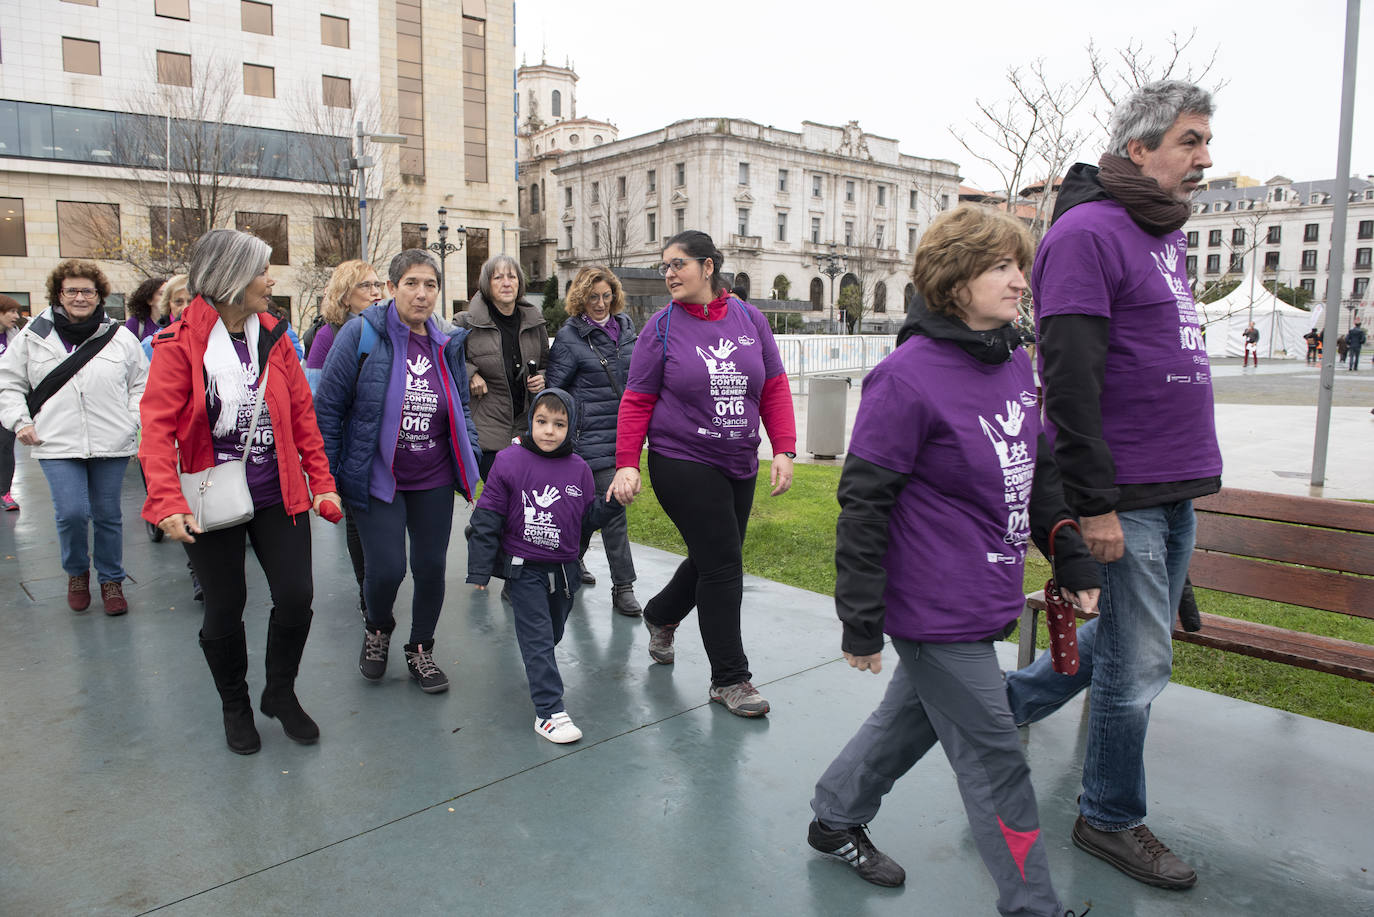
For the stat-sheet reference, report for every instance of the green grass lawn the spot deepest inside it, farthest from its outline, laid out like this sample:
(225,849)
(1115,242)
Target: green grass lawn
(792,540)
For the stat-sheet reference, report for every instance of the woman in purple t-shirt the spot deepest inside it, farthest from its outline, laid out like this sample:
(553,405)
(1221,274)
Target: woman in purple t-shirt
(936,510)
(142,307)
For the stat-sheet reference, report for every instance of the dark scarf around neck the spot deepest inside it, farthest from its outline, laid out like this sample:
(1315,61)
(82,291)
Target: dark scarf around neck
(1149,206)
(76,333)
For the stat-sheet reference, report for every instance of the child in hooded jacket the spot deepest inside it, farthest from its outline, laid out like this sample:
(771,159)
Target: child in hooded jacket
(527,527)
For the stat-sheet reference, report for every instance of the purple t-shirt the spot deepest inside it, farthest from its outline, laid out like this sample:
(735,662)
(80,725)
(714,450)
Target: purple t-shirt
(423,458)
(964,432)
(610,326)
(543,501)
(4,341)
(1157,413)
(708,387)
(319,347)
(262,473)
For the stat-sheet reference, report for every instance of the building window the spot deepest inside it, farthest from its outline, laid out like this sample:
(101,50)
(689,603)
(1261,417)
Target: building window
(1275,235)
(653,180)
(270,228)
(911,238)
(256,17)
(1361,287)
(333,31)
(744,173)
(410,89)
(173,9)
(87,230)
(534,199)
(912,204)
(848,232)
(679,174)
(620,187)
(1214,238)
(1237,265)
(849,192)
(1366,229)
(337,91)
(878,236)
(621,227)
(413,235)
(336,240)
(816,230)
(474,99)
(1309,232)
(1309,259)
(1192,239)
(782,229)
(679,220)
(259,81)
(556,104)
(944,202)
(569,231)
(173,232)
(596,235)
(173,69)
(1308,284)
(882,195)
(1214,264)
(596,192)
(1238,236)
(653,227)
(744,221)
(880,297)
(81,56)
(782,180)
(815,186)
(567,197)
(1190,265)
(1271,261)
(1362,258)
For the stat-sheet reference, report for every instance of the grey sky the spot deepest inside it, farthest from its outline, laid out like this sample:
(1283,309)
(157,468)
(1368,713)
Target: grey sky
(910,71)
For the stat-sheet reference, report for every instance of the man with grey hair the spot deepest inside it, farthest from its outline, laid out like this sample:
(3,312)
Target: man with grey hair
(1128,401)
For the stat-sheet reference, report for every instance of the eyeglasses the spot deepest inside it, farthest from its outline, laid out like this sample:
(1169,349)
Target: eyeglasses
(368,285)
(83,293)
(677,264)
(601,297)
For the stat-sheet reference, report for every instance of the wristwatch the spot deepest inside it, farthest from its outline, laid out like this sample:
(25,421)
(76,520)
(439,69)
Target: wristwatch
(791,455)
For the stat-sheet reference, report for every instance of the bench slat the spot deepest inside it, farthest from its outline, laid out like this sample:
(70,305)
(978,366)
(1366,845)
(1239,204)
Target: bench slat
(1336,514)
(1346,552)
(1318,589)
(1261,641)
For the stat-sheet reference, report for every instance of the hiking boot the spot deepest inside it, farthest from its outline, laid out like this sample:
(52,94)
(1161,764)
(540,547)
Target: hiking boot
(741,699)
(661,642)
(623,600)
(9,504)
(559,728)
(79,592)
(1137,853)
(420,661)
(112,597)
(852,846)
(376,647)
(587,578)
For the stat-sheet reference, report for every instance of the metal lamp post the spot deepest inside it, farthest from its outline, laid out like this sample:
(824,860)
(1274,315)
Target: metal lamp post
(361,162)
(831,265)
(443,248)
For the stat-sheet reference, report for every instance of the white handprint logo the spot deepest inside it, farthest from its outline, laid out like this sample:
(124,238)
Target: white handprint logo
(419,366)
(716,363)
(1011,424)
(548,498)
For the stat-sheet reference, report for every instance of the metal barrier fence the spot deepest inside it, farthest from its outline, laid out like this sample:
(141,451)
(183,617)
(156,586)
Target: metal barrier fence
(819,354)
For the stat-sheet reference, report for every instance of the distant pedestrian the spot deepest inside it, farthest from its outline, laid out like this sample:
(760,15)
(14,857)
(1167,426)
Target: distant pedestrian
(1342,348)
(9,321)
(1252,337)
(142,307)
(1354,340)
(1311,338)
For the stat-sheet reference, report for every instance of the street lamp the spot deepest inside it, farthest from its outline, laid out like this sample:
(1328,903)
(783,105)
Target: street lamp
(443,248)
(361,162)
(831,265)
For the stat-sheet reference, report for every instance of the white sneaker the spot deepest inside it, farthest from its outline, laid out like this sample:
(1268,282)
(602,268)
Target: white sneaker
(558,728)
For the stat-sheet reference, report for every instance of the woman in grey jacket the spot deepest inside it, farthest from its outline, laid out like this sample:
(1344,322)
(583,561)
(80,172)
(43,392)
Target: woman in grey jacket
(506,336)
(590,359)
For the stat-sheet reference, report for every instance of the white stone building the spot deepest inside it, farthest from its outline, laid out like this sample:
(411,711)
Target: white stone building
(773,200)
(89,86)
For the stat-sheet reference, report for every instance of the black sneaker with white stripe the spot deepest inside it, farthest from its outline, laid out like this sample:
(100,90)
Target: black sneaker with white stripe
(852,846)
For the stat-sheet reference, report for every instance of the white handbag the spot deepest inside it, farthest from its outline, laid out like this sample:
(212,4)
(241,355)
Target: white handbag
(219,496)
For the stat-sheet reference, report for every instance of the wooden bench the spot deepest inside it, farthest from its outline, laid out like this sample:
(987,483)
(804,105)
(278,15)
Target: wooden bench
(1305,551)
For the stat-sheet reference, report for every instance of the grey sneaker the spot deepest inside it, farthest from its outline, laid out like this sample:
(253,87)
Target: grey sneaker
(741,699)
(420,661)
(852,846)
(1137,853)
(661,642)
(376,647)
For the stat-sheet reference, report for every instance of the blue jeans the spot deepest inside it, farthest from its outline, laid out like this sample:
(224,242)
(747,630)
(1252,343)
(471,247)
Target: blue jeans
(88,490)
(1125,658)
(541,595)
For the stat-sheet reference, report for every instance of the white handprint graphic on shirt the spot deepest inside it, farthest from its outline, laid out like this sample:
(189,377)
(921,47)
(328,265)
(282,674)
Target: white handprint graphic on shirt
(716,363)
(415,380)
(1011,425)
(548,498)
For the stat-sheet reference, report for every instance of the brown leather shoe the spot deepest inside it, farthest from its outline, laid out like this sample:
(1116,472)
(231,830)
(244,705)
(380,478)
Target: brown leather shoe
(79,592)
(112,595)
(1137,853)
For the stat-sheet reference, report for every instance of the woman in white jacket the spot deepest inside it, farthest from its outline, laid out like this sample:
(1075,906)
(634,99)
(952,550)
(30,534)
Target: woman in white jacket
(85,431)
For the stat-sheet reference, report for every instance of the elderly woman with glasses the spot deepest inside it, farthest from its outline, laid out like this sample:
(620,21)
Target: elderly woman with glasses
(704,377)
(200,406)
(70,385)
(507,336)
(393,408)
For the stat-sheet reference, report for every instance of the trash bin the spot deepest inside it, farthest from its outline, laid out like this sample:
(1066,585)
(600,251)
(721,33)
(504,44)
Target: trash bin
(826,402)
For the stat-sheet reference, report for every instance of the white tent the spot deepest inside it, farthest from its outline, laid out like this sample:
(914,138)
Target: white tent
(1280,325)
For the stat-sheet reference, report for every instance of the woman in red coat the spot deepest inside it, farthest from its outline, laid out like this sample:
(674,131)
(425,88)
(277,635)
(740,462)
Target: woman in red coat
(206,370)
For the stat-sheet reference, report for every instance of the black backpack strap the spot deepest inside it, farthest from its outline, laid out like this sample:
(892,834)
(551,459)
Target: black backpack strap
(615,386)
(52,383)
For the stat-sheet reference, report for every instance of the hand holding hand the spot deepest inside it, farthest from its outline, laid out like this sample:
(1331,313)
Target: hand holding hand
(625,487)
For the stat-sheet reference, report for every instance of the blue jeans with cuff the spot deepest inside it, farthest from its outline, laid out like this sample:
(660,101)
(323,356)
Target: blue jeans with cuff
(85,495)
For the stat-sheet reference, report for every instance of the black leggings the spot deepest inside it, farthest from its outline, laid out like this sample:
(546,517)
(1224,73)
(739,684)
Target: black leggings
(711,512)
(282,545)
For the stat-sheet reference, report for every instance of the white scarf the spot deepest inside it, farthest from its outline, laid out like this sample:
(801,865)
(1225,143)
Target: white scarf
(228,382)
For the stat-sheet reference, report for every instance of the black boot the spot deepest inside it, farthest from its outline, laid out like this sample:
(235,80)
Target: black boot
(228,660)
(284,648)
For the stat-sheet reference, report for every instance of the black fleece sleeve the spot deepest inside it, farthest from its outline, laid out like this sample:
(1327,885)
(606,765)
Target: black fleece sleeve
(484,544)
(599,512)
(867,493)
(1074,348)
(1074,566)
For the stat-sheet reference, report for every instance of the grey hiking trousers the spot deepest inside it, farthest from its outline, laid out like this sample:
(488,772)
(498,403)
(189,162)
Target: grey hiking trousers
(952,693)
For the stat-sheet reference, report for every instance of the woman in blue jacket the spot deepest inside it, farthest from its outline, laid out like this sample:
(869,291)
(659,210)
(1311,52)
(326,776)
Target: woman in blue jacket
(392,404)
(590,358)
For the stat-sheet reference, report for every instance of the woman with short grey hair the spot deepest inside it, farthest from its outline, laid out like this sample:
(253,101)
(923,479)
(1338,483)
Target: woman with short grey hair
(197,413)
(507,351)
